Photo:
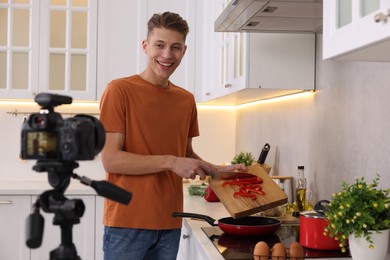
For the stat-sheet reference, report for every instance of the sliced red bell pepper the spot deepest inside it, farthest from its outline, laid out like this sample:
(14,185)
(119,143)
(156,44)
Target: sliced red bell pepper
(244,194)
(248,187)
(251,191)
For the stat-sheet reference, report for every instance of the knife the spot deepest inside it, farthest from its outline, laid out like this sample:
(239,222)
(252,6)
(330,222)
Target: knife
(264,153)
(228,175)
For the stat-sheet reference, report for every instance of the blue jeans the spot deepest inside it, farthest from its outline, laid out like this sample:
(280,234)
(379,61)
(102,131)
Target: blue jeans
(140,244)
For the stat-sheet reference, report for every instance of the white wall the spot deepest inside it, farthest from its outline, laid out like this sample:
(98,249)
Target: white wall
(216,143)
(338,133)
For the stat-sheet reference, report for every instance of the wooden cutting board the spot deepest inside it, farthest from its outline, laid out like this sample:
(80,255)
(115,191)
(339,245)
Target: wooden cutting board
(242,207)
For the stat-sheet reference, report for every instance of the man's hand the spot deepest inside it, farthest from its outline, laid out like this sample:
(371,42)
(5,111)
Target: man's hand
(189,168)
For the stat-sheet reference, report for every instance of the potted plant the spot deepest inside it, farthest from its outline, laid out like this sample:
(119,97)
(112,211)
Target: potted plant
(359,210)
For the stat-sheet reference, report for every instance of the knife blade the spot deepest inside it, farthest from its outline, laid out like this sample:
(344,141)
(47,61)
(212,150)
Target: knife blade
(228,175)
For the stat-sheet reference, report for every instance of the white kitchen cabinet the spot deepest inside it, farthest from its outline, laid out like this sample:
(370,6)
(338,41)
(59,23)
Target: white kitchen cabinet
(119,41)
(207,48)
(15,209)
(184,76)
(48,46)
(356,30)
(239,67)
(215,64)
(184,247)
(189,248)
(83,233)
(13,213)
(264,65)
(123,27)
(99,228)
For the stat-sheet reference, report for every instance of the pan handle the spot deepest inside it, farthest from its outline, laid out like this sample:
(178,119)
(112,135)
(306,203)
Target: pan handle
(208,219)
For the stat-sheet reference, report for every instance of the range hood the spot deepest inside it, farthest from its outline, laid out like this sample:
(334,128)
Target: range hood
(294,16)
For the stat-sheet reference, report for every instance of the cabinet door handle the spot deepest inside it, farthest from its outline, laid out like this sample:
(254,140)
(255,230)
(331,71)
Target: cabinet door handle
(186,236)
(227,85)
(5,202)
(380,17)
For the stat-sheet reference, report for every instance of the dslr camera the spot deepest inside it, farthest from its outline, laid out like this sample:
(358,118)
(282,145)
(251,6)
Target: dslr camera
(46,136)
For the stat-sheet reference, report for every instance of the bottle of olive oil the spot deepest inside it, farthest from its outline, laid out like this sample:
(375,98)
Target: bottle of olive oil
(301,189)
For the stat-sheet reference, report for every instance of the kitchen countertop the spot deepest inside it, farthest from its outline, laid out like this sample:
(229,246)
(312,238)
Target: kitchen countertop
(216,210)
(193,204)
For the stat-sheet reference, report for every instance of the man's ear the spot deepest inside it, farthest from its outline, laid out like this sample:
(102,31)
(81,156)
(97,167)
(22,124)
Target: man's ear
(145,46)
(184,49)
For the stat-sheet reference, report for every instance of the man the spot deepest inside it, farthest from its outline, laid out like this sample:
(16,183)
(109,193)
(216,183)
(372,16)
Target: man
(149,125)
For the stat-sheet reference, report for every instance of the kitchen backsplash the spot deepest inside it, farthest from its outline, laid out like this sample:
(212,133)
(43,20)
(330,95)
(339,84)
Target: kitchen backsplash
(338,133)
(215,144)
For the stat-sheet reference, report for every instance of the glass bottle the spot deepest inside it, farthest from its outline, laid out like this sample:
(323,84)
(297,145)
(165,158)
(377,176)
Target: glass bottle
(301,189)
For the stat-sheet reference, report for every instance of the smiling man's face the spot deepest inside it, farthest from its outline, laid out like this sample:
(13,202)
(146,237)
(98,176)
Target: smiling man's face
(165,49)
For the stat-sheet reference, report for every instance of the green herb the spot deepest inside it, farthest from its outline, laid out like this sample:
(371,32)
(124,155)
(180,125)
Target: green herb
(244,158)
(360,208)
(197,190)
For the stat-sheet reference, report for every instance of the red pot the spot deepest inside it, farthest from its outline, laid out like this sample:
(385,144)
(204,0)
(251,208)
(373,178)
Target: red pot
(311,232)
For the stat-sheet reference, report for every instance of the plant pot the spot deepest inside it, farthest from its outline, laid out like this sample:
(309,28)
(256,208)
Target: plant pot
(360,250)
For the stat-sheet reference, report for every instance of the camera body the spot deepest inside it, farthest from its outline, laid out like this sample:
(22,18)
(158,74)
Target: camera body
(47,136)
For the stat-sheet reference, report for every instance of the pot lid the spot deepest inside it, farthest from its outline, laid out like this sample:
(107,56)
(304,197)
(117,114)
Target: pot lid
(312,214)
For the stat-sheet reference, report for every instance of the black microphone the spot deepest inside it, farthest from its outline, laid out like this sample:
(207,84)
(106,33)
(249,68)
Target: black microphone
(107,190)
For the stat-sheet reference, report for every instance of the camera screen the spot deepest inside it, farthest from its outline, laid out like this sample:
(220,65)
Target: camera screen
(41,145)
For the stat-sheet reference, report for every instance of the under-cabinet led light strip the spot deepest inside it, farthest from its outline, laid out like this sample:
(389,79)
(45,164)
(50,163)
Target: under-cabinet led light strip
(95,105)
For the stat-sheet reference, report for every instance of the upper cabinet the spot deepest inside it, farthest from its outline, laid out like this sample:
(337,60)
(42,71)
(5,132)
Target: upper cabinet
(48,46)
(184,75)
(75,48)
(262,66)
(246,67)
(123,27)
(119,41)
(208,69)
(356,30)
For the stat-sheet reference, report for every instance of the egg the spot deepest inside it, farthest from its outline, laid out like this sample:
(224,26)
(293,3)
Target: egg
(296,251)
(261,251)
(294,244)
(278,252)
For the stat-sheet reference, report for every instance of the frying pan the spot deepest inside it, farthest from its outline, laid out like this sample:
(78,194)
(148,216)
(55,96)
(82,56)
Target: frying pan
(246,226)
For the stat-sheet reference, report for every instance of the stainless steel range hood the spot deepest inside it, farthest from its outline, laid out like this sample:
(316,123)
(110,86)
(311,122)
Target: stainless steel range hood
(289,16)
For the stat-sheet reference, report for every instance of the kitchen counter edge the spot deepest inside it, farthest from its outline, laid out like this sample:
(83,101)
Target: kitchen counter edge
(36,187)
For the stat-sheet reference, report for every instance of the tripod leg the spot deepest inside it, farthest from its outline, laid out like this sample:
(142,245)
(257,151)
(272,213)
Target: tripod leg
(66,250)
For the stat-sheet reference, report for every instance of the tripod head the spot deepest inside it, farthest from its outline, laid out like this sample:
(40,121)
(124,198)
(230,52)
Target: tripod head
(66,212)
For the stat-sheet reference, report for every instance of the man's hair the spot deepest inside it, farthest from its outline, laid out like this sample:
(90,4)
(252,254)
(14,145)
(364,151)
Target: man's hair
(169,21)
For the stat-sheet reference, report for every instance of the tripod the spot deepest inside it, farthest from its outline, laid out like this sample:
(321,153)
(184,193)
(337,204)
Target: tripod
(66,212)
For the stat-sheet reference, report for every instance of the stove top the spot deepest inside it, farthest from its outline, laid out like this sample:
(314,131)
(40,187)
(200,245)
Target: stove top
(233,247)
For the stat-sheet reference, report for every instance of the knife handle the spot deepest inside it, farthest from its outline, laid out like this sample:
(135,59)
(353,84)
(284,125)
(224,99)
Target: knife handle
(264,153)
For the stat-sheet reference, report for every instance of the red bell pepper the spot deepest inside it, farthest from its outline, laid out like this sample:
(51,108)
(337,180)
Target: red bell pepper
(210,195)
